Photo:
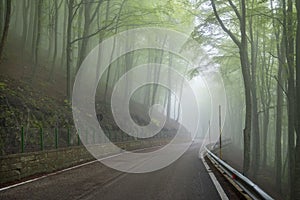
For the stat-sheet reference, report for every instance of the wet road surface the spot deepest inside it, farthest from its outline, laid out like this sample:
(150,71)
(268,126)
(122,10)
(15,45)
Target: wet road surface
(186,178)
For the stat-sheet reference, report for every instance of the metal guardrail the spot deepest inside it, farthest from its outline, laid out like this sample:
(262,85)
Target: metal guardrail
(246,184)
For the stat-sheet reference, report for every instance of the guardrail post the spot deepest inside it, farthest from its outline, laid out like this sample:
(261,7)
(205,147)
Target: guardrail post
(56,138)
(209,131)
(22,139)
(220,127)
(42,139)
(249,187)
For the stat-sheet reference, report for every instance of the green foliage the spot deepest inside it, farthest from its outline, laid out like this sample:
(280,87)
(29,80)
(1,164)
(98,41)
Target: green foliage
(2,85)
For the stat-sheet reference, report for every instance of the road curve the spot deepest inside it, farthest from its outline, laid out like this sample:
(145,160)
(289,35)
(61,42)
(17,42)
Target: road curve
(186,178)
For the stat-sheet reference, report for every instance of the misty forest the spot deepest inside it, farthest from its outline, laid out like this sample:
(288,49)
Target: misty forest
(253,46)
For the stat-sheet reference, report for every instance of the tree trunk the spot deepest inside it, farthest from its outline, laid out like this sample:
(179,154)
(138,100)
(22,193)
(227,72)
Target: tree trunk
(180,96)
(113,50)
(39,30)
(157,74)
(247,85)
(86,28)
(265,94)
(2,12)
(280,44)
(248,118)
(25,25)
(38,37)
(6,27)
(278,158)
(245,65)
(149,76)
(69,47)
(289,41)
(34,30)
(50,31)
(55,39)
(297,106)
(79,34)
(64,42)
(255,117)
(169,83)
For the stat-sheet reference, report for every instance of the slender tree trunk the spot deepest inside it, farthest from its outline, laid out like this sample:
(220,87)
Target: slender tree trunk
(114,43)
(157,74)
(265,130)
(156,77)
(50,31)
(245,65)
(255,117)
(278,158)
(88,19)
(128,64)
(297,106)
(265,98)
(86,28)
(117,70)
(25,25)
(38,37)
(169,83)
(149,74)
(279,111)
(247,85)
(69,47)
(34,31)
(39,31)
(165,103)
(64,39)
(2,12)
(248,118)
(108,69)
(6,27)
(180,97)
(298,72)
(289,41)
(56,7)
(31,29)
(79,34)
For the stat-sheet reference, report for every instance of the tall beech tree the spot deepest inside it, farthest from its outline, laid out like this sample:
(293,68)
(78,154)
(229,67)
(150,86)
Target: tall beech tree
(242,44)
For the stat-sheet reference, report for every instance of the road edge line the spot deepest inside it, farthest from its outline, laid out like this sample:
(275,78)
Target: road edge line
(214,179)
(70,168)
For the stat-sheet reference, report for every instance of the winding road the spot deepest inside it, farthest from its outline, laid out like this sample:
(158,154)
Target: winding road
(187,178)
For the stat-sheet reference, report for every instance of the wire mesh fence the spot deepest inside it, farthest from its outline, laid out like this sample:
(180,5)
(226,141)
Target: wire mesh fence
(22,140)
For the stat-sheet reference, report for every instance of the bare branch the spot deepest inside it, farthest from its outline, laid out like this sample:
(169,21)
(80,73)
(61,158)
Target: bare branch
(93,34)
(269,108)
(77,7)
(279,59)
(235,10)
(232,36)
(285,92)
(97,9)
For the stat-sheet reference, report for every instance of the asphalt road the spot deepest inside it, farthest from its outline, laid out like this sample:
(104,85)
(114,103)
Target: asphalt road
(184,179)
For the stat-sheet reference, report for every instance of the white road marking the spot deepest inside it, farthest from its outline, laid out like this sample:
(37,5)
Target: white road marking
(70,168)
(214,179)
